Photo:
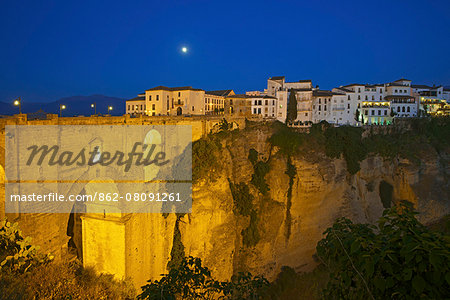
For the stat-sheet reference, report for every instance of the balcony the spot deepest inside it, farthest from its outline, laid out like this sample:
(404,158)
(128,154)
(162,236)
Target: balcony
(178,103)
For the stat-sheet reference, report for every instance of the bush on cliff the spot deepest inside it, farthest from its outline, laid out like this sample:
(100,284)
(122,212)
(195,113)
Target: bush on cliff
(17,254)
(28,274)
(398,259)
(191,280)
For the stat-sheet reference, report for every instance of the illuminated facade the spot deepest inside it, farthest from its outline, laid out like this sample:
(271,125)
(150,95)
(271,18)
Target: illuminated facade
(432,100)
(136,105)
(215,101)
(263,105)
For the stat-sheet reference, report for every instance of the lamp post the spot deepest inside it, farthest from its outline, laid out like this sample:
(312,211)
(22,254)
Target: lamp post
(109,109)
(94,106)
(18,102)
(61,108)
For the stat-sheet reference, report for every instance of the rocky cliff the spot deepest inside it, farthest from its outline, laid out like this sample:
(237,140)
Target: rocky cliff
(240,224)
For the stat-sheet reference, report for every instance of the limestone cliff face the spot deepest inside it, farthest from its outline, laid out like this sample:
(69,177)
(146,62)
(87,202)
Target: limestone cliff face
(322,191)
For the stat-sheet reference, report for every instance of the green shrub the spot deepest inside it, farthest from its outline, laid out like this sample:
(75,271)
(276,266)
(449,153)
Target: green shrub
(261,168)
(191,280)
(17,254)
(242,199)
(286,139)
(250,235)
(253,156)
(32,275)
(205,158)
(398,259)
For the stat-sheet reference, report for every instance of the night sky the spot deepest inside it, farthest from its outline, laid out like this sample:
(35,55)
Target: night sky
(54,49)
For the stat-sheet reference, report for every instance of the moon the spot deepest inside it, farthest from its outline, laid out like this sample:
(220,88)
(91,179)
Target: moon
(184,49)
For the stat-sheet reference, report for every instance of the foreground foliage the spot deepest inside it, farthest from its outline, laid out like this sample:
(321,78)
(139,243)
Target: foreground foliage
(398,259)
(191,280)
(17,254)
(28,274)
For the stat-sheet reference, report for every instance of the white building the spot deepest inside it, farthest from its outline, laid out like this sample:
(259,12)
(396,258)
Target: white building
(344,105)
(136,105)
(264,105)
(431,99)
(279,88)
(402,101)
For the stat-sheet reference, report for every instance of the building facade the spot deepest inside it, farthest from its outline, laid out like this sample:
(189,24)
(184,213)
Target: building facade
(136,105)
(215,101)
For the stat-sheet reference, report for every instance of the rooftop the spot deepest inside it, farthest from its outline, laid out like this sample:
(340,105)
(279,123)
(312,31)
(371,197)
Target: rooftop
(181,88)
(138,98)
(219,92)
(277,78)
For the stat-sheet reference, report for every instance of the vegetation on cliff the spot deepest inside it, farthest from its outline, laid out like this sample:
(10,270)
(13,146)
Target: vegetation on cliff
(398,259)
(407,140)
(192,280)
(26,273)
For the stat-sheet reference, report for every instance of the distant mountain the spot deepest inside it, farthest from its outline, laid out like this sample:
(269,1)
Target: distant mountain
(76,105)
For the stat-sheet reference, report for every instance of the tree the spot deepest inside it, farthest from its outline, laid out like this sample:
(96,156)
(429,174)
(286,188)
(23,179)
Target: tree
(398,259)
(357,115)
(292,107)
(393,113)
(191,280)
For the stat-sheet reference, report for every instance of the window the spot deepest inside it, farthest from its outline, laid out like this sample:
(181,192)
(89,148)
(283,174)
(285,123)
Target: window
(153,106)
(150,98)
(403,109)
(373,97)
(379,112)
(398,108)
(348,106)
(365,112)
(267,102)
(372,112)
(359,90)
(366,97)
(359,97)
(324,107)
(192,108)
(319,100)
(319,108)
(306,114)
(407,109)
(348,97)
(157,97)
(141,106)
(128,107)
(179,94)
(385,112)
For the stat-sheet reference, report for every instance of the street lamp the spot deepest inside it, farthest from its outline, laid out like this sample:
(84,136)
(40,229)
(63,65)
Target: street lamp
(18,103)
(110,108)
(61,108)
(94,106)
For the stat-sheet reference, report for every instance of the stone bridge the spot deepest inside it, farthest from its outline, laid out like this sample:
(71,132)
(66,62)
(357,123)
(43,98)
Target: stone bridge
(132,245)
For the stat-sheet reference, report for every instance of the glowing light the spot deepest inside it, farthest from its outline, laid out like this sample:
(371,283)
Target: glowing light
(184,49)
(92,105)
(16,102)
(63,106)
